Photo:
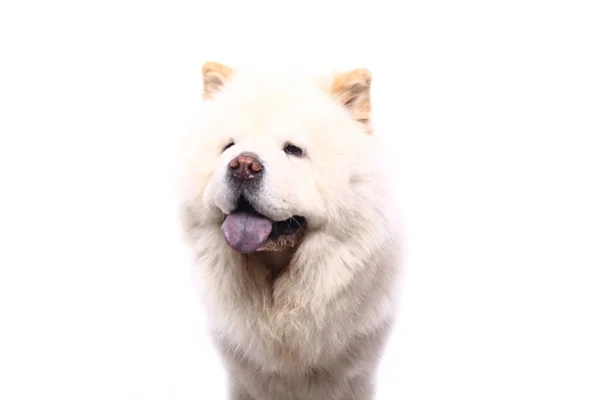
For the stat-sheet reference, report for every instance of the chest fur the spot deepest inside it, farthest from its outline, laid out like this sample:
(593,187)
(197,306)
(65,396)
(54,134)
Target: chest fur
(275,335)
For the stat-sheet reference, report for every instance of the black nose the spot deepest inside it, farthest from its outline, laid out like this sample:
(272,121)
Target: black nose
(245,167)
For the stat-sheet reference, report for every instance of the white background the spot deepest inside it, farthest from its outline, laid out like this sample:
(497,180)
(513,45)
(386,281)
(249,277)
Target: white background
(491,111)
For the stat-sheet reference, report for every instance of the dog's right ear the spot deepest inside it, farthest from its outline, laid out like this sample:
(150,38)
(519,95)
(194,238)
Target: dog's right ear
(215,76)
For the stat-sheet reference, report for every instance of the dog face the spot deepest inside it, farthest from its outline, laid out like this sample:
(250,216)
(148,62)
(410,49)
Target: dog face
(276,155)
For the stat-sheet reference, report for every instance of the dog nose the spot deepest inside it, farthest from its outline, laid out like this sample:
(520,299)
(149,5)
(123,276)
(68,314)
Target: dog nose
(245,167)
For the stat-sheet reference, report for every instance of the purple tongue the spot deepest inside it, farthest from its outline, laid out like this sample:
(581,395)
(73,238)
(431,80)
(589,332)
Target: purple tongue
(246,232)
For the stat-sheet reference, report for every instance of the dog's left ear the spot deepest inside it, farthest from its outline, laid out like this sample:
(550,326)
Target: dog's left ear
(352,90)
(215,76)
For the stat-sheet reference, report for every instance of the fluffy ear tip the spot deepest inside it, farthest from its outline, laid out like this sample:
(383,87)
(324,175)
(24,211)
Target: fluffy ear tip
(210,66)
(207,66)
(364,73)
(359,76)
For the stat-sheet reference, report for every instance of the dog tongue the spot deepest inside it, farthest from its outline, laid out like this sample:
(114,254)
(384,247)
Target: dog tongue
(246,232)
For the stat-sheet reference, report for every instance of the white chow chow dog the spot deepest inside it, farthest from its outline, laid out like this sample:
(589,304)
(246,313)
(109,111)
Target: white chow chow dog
(287,210)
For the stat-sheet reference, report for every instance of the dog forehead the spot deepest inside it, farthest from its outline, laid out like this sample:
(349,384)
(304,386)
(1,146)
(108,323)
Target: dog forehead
(267,104)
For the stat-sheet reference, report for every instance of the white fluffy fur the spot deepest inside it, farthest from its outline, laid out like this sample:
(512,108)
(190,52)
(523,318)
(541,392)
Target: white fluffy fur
(316,332)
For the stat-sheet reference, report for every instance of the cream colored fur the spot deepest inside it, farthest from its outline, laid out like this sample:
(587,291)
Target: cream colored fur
(317,330)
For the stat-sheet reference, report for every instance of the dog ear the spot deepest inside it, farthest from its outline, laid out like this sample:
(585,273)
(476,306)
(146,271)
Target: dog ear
(215,76)
(352,90)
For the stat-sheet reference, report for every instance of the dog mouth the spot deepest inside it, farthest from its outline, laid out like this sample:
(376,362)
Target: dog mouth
(248,231)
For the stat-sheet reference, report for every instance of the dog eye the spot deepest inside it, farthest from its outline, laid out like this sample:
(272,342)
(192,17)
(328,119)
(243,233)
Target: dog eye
(228,145)
(293,150)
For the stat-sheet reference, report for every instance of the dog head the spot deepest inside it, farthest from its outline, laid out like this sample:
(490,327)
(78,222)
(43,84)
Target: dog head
(277,156)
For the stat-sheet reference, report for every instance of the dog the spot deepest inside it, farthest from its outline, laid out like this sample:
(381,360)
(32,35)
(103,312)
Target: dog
(293,230)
